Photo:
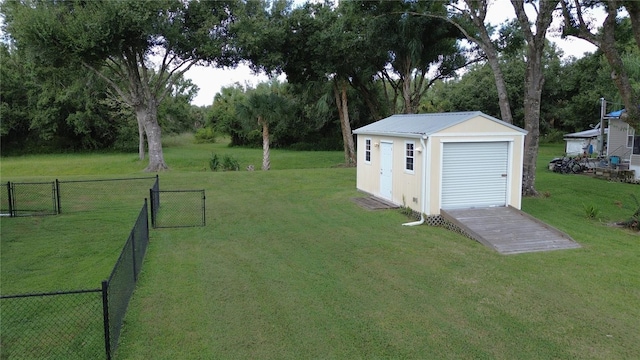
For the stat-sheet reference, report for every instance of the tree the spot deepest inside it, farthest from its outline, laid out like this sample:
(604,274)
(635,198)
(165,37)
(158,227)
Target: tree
(316,43)
(15,110)
(176,114)
(223,116)
(418,49)
(265,106)
(320,47)
(470,19)
(45,108)
(121,41)
(534,82)
(576,25)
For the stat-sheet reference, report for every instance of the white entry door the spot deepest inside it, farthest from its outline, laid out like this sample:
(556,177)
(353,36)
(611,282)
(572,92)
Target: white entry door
(386,167)
(474,174)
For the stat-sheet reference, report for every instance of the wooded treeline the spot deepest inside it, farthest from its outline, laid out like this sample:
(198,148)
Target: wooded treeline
(80,75)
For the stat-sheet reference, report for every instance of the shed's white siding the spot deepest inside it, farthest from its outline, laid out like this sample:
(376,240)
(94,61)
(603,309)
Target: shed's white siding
(495,139)
(576,147)
(405,187)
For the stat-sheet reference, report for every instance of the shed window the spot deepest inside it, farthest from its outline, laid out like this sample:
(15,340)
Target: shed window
(367,151)
(408,156)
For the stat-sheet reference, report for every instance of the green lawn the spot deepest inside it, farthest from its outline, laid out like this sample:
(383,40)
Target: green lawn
(289,267)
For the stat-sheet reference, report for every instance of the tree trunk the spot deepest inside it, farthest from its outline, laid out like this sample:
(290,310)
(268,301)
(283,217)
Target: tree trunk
(148,115)
(501,86)
(633,8)
(340,92)
(532,125)
(140,136)
(478,14)
(369,98)
(534,82)
(266,157)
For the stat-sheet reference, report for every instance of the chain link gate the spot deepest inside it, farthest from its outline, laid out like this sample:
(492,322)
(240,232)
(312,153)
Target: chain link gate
(29,199)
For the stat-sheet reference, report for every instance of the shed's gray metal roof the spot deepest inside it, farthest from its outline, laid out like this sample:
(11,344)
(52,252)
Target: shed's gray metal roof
(418,125)
(595,132)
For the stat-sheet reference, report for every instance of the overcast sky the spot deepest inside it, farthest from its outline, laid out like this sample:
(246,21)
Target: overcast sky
(212,80)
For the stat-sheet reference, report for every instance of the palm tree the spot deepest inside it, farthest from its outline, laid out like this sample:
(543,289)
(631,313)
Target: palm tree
(265,106)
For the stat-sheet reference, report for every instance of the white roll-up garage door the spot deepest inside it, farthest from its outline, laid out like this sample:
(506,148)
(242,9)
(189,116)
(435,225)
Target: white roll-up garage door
(474,174)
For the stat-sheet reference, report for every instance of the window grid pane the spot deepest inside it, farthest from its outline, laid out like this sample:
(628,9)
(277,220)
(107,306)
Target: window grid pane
(367,152)
(409,157)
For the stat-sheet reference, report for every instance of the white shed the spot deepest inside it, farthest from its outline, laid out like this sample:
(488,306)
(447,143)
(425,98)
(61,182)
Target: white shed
(583,142)
(439,161)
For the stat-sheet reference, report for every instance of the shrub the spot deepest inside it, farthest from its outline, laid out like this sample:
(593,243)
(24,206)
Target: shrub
(591,211)
(553,136)
(214,162)
(205,135)
(229,163)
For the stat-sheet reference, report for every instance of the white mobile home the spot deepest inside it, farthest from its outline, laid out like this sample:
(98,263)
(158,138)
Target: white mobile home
(439,161)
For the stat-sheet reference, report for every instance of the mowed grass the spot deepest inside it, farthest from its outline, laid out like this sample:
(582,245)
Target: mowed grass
(289,267)
(180,153)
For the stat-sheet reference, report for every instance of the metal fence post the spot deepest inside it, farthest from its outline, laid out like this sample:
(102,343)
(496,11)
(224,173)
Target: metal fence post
(10,199)
(204,209)
(153,215)
(105,316)
(58,210)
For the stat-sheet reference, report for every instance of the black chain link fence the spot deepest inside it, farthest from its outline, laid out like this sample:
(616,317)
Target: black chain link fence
(178,208)
(124,276)
(66,325)
(83,324)
(51,198)
(29,199)
(5,208)
(102,194)
(86,324)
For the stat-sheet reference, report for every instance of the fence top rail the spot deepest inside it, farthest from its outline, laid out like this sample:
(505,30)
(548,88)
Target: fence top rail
(175,191)
(31,183)
(53,293)
(116,179)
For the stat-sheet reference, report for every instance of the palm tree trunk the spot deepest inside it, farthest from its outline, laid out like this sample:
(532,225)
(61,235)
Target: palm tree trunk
(266,157)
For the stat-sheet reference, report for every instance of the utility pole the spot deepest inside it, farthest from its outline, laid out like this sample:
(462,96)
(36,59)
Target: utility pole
(603,111)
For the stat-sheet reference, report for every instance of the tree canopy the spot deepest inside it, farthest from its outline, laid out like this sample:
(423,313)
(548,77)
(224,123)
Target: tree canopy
(109,74)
